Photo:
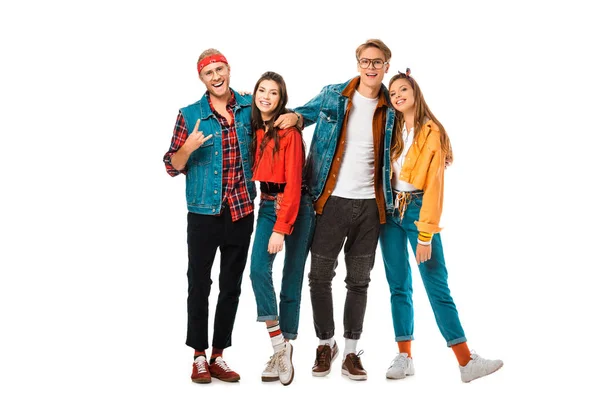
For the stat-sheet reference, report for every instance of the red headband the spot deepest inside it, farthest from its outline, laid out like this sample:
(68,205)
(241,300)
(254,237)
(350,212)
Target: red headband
(211,59)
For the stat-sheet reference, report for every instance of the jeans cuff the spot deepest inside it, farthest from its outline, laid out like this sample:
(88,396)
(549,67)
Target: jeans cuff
(290,336)
(325,335)
(404,338)
(456,341)
(264,318)
(352,335)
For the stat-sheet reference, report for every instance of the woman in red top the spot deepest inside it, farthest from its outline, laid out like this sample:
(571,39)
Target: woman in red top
(286,214)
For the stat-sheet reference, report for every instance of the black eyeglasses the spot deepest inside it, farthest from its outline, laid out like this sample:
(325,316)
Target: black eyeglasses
(378,63)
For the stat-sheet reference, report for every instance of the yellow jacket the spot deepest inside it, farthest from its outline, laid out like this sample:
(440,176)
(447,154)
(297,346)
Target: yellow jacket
(424,168)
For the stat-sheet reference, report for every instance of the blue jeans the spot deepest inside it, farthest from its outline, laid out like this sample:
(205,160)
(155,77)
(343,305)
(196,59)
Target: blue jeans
(394,239)
(261,265)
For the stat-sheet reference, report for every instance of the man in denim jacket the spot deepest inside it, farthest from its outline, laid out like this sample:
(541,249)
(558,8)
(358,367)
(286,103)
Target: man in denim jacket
(348,176)
(210,145)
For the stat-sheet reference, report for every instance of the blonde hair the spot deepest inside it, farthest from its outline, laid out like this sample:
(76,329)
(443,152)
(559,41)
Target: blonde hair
(208,52)
(378,44)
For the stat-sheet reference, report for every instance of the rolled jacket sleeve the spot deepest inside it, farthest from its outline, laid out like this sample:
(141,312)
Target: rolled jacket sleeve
(180,135)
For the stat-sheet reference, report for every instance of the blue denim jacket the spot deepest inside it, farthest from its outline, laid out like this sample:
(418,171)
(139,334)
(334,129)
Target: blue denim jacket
(204,177)
(327,110)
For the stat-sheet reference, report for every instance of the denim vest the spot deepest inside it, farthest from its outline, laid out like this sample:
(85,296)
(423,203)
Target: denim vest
(204,179)
(327,110)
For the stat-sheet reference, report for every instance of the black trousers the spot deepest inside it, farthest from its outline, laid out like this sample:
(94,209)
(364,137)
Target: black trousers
(206,233)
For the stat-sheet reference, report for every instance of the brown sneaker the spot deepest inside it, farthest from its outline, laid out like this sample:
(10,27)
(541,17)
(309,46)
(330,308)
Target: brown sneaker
(352,367)
(325,356)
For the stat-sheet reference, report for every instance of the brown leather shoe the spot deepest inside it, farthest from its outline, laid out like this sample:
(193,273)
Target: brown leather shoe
(352,367)
(325,356)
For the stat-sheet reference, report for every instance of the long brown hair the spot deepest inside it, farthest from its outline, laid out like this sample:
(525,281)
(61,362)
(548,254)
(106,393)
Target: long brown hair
(271,131)
(422,113)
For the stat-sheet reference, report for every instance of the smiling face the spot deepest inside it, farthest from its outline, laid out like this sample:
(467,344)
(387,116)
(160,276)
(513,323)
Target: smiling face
(402,95)
(267,97)
(215,77)
(371,76)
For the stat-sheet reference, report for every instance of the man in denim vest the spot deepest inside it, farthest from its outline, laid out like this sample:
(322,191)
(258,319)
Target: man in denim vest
(348,176)
(210,145)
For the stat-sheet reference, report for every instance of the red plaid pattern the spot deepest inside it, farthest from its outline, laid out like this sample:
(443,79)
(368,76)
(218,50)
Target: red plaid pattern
(234,192)
(180,135)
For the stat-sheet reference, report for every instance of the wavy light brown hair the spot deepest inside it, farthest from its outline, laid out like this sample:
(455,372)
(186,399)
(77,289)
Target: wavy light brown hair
(422,114)
(378,44)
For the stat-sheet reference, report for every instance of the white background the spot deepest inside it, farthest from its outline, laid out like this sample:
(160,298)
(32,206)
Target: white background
(93,251)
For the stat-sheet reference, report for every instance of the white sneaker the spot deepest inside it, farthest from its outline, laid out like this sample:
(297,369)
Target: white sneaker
(401,367)
(270,374)
(478,367)
(284,364)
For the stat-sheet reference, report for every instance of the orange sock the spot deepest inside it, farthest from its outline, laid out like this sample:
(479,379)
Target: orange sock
(462,353)
(404,347)
(216,352)
(199,353)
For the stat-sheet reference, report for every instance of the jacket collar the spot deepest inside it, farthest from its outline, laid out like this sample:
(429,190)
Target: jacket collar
(352,85)
(237,101)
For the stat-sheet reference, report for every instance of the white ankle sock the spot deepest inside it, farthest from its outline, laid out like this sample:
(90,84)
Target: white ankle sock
(350,346)
(329,341)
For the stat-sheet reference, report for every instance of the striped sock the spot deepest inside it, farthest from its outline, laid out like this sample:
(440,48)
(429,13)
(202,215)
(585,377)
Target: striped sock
(276,338)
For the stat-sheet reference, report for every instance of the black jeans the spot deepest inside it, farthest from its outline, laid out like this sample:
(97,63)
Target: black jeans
(206,233)
(355,222)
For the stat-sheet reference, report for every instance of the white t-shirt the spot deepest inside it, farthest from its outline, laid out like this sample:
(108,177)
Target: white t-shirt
(397,184)
(357,172)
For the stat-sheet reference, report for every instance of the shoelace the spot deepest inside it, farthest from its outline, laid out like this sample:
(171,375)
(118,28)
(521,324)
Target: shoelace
(474,356)
(280,361)
(321,355)
(200,364)
(221,363)
(271,362)
(400,362)
(355,359)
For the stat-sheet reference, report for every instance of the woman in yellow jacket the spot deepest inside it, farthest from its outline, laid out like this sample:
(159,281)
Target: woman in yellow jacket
(420,152)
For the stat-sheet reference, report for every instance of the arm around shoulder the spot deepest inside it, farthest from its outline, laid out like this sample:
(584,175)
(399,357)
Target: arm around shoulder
(310,111)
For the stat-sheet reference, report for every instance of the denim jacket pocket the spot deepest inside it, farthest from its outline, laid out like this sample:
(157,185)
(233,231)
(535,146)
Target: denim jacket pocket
(327,117)
(203,154)
(326,126)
